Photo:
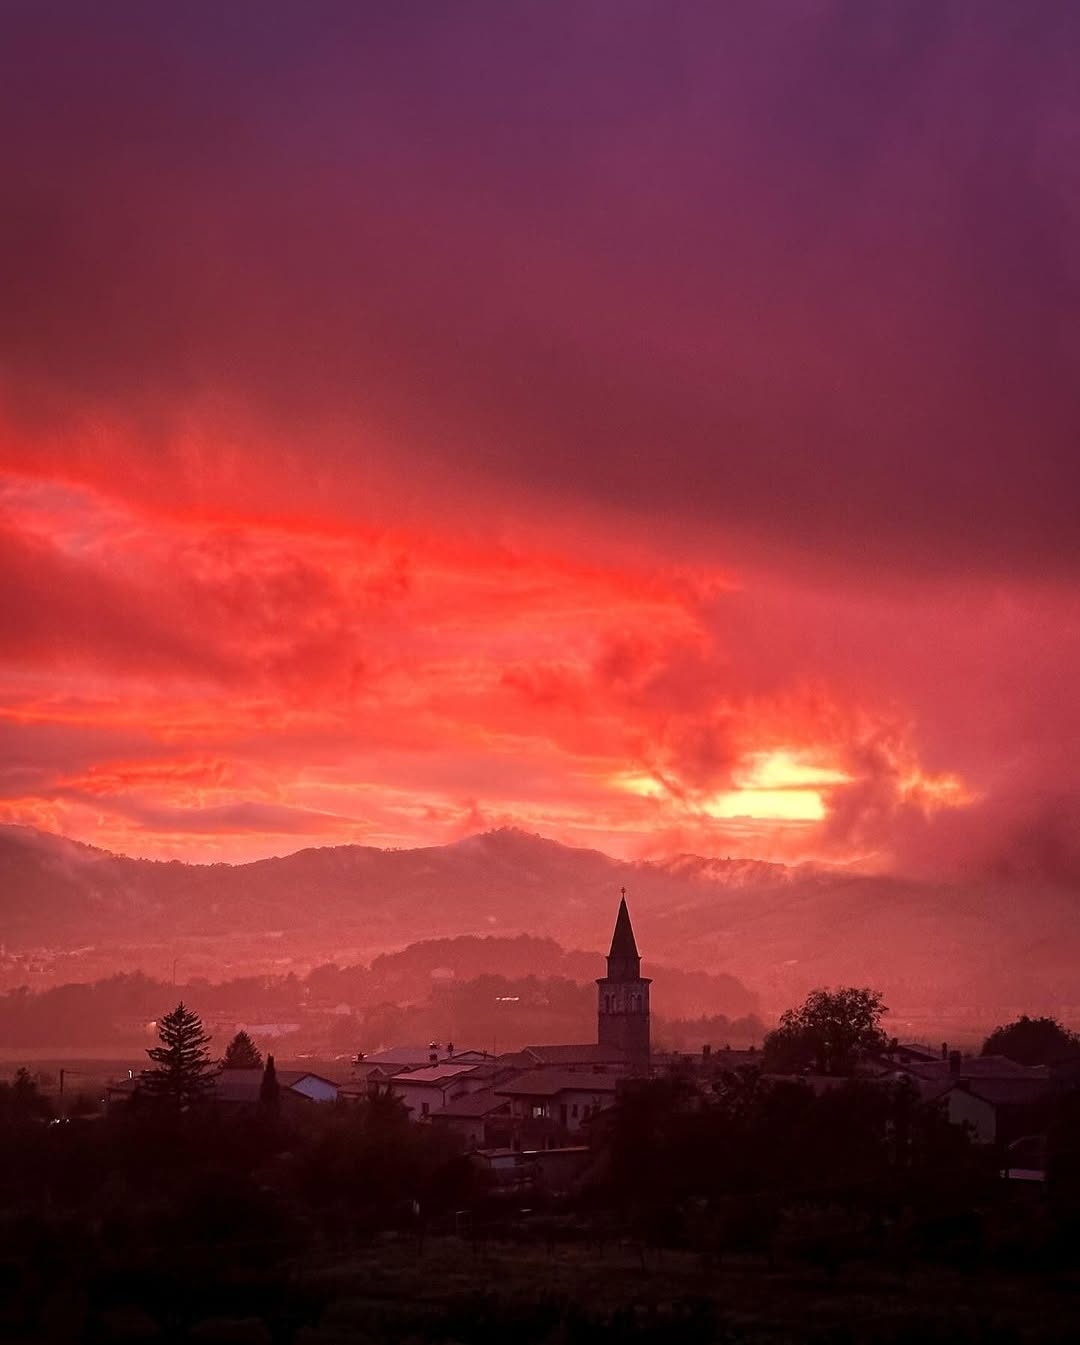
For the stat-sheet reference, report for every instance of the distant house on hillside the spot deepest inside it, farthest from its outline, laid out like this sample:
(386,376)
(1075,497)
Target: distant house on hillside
(260,1031)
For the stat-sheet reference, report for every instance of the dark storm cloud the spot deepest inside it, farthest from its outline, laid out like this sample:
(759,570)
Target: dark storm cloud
(804,274)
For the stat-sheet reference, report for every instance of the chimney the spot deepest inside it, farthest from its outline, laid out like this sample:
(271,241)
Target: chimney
(944,1050)
(954,1062)
(706,1051)
(433,1052)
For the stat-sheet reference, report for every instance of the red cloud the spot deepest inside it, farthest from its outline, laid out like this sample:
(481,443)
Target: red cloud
(444,466)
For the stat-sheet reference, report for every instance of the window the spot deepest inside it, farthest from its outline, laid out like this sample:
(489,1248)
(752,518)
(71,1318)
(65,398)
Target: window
(539,1109)
(425,1108)
(573,1109)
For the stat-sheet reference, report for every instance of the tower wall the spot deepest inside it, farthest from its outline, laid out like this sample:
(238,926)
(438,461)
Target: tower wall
(622,1018)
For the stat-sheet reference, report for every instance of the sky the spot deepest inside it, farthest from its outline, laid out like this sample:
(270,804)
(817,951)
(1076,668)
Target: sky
(653,425)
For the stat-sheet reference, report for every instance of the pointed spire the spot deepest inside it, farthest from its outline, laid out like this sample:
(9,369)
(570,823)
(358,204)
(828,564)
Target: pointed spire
(623,943)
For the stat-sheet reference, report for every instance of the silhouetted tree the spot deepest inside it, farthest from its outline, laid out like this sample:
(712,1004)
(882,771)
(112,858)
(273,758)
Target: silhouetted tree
(827,1032)
(242,1053)
(269,1089)
(185,1072)
(1033,1041)
(22,1100)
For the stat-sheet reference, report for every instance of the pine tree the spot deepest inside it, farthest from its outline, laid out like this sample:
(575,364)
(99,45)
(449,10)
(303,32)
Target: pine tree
(185,1072)
(269,1089)
(242,1053)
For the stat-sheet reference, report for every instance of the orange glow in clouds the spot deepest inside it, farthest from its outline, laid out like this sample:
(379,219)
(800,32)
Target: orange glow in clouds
(220,687)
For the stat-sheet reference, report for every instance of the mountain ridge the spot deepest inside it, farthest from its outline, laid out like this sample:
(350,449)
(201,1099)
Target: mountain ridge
(780,930)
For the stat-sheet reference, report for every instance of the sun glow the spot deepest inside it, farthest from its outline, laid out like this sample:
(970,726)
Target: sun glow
(773,805)
(780,785)
(787,771)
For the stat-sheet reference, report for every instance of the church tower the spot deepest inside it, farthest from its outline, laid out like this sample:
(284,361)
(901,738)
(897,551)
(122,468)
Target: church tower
(623,995)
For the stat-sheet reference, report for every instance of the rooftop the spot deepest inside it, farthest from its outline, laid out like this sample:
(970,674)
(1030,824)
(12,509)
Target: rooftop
(975,1067)
(548,1082)
(285,1077)
(587,1053)
(434,1074)
(480,1103)
(1014,1092)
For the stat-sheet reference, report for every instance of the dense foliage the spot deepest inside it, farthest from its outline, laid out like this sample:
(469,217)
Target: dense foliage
(1033,1041)
(21,1101)
(332,1222)
(828,1033)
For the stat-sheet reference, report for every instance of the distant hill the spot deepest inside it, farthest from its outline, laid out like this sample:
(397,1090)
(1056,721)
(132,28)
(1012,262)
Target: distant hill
(775,929)
(61,893)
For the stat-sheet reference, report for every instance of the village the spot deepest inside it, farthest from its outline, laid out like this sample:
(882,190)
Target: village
(698,1190)
(531,1115)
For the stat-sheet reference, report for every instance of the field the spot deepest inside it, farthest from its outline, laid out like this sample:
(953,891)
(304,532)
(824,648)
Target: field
(452,1290)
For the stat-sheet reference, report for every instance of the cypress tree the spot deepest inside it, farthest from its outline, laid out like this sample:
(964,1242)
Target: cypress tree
(269,1089)
(184,1072)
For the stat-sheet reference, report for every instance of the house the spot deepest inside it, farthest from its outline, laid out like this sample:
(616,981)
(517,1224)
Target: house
(934,1078)
(241,1088)
(547,1103)
(379,1066)
(999,1110)
(588,1055)
(474,1117)
(430,1090)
